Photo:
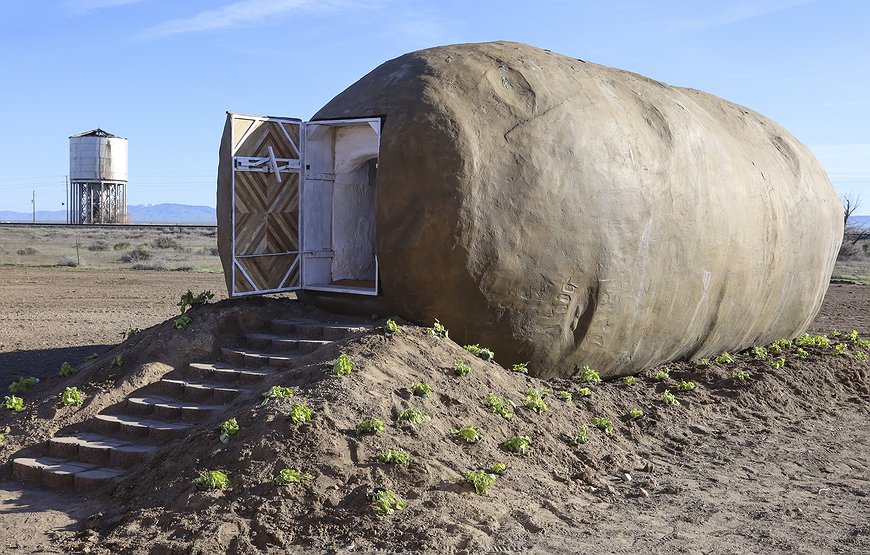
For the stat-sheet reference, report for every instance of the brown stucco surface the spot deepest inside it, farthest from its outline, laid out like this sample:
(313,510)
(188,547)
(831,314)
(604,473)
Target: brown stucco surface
(566,213)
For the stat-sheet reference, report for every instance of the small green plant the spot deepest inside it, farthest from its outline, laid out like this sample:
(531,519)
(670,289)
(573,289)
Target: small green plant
(860,355)
(189,299)
(759,352)
(412,416)
(421,389)
(584,392)
(22,384)
(840,349)
(582,436)
(214,480)
(300,413)
(686,386)
(66,370)
(385,502)
(629,381)
(182,322)
(863,343)
(852,336)
(661,375)
(498,468)
(480,352)
(724,358)
(668,398)
(520,367)
(499,406)
(634,414)
(518,444)
(438,330)
(71,397)
(289,476)
(130,332)
(480,480)
(777,363)
(228,429)
(469,434)
(835,333)
(780,345)
(589,375)
(802,354)
(703,363)
(566,396)
(343,365)
(534,401)
(461,368)
(820,341)
(2,438)
(276,392)
(739,375)
(370,426)
(392,328)
(394,456)
(91,357)
(117,362)
(604,424)
(13,403)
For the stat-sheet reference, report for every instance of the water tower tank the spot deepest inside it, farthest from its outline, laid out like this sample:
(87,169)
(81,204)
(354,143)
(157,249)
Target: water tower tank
(98,178)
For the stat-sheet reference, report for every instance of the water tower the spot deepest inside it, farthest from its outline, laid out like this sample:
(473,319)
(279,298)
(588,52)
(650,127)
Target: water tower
(98,178)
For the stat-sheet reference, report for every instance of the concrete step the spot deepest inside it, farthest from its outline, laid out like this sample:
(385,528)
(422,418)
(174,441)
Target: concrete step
(279,344)
(196,390)
(130,426)
(60,473)
(229,373)
(305,329)
(169,408)
(100,450)
(257,359)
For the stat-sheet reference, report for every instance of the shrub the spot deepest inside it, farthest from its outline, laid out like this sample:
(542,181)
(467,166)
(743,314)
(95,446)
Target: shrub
(480,480)
(469,434)
(300,413)
(370,426)
(480,352)
(385,502)
(587,374)
(214,480)
(343,365)
(394,456)
(166,243)
(289,476)
(139,254)
(69,261)
(71,397)
(412,416)
(228,429)
(461,368)
(518,444)
(98,246)
(28,251)
(122,246)
(499,406)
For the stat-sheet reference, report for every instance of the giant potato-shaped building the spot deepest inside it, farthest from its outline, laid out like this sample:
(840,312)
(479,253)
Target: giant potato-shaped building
(566,213)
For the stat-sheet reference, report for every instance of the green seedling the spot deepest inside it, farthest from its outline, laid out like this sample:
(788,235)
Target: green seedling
(661,375)
(781,344)
(13,403)
(189,299)
(852,336)
(604,424)
(584,392)
(860,355)
(835,333)
(385,502)
(394,456)
(634,414)
(777,363)
(760,352)
(117,362)
(820,341)
(289,476)
(182,322)
(863,343)
(724,358)
(300,413)
(520,367)
(629,381)
(370,426)
(840,349)
(581,438)
(802,354)
(214,480)
(22,384)
(461,368)
(498,469)
(469,434)
(276,392)
(534,401)
(130,333)
(438,330)
(480,352)
(343,365)
(686,386)
(703,363)
(228,429)
(66,370)
(91,357)
(668,398)
(421,389)
(518,444)
(589,375)
(71,397)
(499,406)
(2,438)
(412,416)
(392,328)
(566,396)
(740,375)
(480,480)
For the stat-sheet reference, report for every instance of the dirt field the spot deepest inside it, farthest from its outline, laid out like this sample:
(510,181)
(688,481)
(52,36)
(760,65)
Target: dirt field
(778,465)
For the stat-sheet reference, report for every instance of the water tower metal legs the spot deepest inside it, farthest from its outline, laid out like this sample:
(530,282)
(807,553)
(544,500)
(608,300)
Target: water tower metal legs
(98,203)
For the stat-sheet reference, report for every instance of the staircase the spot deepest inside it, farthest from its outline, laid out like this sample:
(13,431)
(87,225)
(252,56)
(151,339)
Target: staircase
(125,435)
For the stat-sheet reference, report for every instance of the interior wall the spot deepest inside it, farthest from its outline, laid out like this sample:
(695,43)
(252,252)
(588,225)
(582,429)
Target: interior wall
(353,221)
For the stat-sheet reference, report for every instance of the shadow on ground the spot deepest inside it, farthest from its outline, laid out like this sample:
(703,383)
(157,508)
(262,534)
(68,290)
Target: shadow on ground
(42,363)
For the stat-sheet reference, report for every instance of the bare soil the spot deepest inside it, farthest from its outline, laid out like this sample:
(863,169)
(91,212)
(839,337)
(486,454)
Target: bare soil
(775,464)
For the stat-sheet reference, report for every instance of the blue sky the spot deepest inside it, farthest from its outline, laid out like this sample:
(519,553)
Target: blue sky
(163,72)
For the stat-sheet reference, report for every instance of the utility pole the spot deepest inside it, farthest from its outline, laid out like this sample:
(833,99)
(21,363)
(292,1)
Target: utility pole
(33,202)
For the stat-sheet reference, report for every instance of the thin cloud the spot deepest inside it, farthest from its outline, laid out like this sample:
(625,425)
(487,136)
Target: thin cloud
(737,12)
(84,6)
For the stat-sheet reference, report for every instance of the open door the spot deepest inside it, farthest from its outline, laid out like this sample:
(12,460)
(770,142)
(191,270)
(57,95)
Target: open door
(266,186)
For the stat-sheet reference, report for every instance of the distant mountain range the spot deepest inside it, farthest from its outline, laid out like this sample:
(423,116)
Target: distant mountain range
(137,214)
